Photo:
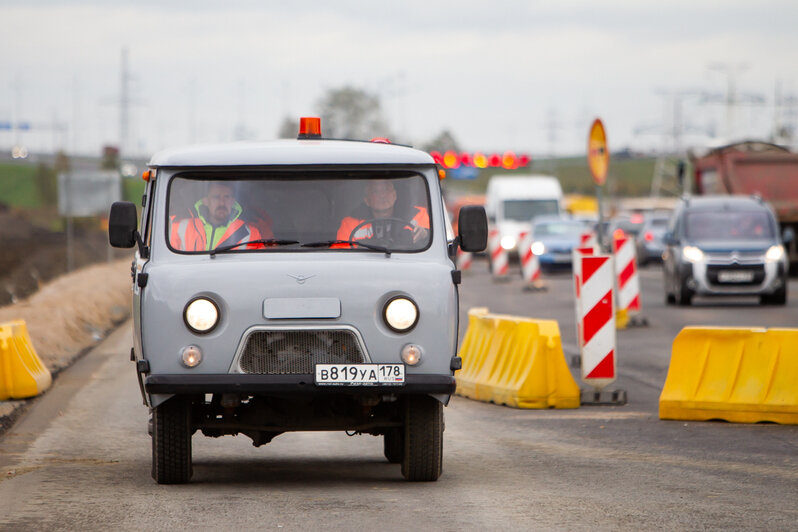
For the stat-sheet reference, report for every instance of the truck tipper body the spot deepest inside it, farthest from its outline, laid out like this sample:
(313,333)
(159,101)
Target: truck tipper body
(753,168)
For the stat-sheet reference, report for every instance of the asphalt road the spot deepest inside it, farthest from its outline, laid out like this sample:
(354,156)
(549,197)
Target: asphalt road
(80,458)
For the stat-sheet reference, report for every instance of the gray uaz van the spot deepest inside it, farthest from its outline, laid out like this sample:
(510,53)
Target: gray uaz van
(295,285)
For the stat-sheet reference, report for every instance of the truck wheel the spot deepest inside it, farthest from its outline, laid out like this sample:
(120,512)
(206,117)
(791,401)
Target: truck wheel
(423,445)
(171,442)
(393,445)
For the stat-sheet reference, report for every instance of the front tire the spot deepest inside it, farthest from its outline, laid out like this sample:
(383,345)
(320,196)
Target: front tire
(171,441)
(684,296)
(423,445)
(779,297)
(393,445)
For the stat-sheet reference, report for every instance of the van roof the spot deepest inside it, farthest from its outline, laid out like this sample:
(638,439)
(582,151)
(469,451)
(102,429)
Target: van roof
(290,152)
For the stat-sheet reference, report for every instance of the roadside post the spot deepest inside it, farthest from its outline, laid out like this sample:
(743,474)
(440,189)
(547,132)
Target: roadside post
(530,264)
(594,285)
(598,160)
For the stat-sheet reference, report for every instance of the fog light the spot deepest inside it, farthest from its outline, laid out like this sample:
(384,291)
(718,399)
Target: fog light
(191,356)
(411,354)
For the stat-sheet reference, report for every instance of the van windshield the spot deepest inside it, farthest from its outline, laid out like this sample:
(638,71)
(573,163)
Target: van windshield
(523,210)
(339,210)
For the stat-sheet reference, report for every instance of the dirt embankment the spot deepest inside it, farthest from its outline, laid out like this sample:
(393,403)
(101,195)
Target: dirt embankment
(69,315)
(74,311)
(31,255)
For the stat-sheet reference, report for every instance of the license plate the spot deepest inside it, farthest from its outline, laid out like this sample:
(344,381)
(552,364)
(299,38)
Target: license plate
(735,276)
(360,374)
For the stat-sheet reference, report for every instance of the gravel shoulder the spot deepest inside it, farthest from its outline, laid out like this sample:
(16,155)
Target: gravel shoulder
(69,315)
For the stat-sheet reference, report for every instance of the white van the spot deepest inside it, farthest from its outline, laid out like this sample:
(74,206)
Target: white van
(512,202)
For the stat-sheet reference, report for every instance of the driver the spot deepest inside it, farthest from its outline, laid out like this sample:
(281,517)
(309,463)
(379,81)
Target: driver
(379,199)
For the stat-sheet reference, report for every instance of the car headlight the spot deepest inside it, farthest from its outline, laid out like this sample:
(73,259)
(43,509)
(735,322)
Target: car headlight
(538,248)
(692,254)
(774,253)
(201,315)
(508,242)
(400,314)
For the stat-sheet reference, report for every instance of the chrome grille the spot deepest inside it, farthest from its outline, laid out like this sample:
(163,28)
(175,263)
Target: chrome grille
(297,351)
(738,257)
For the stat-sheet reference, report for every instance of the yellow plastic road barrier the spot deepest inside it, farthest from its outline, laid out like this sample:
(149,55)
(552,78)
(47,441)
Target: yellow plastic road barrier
(515,361)
(22,373)
(735,374)
(621,318)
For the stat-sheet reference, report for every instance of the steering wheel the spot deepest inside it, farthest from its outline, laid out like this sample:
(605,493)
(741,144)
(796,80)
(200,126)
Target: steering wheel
(393,231)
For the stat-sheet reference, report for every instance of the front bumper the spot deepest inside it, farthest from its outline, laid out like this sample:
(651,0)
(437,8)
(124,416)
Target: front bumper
(768,277)
(288,385)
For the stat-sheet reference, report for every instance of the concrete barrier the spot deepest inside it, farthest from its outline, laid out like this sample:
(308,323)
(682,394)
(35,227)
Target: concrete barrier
(515,361)
(22,373)
(742,375)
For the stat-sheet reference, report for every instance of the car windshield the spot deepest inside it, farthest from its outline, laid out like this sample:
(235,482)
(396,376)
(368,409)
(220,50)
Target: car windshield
(559,229)
(729,225)
(347,211)
(523,210)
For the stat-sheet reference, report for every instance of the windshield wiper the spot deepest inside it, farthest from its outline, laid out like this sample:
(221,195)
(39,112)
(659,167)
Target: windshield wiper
(350,242)
(265,242)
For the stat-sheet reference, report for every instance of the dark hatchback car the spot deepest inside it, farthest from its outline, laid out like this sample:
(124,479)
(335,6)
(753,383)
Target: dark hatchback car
(649,240)
(725,245)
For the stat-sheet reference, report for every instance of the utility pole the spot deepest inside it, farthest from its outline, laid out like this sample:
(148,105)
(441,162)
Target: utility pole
(124,106)
(552,123)
(192,111)
(732,98)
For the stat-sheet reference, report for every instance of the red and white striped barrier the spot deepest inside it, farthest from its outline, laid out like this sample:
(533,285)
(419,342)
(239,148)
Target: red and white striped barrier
(530,264)
(498,255)
(576,268)
(464,259)
(588,239)
(628,283)
(596,319)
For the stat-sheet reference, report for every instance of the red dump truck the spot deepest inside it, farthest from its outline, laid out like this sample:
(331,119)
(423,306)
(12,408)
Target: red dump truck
(753,167)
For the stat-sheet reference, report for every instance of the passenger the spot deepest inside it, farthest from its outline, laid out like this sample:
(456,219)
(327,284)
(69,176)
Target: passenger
(214,221)
(379,201)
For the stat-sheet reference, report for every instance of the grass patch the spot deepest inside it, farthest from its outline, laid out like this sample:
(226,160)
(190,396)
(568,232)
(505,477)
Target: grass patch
(18,185)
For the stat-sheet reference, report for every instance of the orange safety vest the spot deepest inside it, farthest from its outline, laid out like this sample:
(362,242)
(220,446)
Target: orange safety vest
(188,234)
(420,219)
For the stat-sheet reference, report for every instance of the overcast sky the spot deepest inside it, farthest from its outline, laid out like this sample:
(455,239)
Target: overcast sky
(528,76)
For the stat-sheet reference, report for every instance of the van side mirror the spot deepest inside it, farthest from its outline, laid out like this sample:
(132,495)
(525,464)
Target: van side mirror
(788,235)
(122,223)
(472,227)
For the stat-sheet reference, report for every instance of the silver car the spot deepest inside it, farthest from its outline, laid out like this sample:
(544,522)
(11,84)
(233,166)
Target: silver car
(724,246)
(295,285)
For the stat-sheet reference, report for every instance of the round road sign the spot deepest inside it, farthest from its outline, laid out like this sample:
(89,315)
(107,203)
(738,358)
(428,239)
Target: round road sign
(598,156)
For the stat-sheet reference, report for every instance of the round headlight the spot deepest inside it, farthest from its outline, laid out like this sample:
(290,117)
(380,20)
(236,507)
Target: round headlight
(538,248)
(201,315)
(400,314)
